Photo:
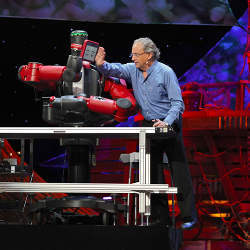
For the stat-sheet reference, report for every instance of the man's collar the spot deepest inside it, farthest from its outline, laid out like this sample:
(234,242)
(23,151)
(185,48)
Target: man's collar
(152,67)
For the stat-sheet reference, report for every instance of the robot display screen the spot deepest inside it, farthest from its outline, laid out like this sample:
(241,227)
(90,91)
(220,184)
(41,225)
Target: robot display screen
(90,50)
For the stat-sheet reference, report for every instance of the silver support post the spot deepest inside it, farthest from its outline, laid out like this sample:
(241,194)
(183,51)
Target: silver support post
(128,199)
(135,212)
(142,168)
(147,179)
(142,218)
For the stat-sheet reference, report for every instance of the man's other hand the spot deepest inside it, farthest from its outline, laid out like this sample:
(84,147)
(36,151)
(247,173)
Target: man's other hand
(159,123)
(100,57)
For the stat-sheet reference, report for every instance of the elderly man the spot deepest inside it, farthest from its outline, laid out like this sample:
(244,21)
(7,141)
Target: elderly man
(158,95)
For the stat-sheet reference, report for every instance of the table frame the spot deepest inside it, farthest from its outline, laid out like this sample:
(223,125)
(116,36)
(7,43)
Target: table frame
(143,187)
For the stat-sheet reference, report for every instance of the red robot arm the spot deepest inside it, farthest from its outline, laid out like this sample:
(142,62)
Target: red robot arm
(121,107)
(39,76)
(120,91)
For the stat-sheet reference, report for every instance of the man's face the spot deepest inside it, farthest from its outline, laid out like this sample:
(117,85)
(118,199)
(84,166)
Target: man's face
(139,57)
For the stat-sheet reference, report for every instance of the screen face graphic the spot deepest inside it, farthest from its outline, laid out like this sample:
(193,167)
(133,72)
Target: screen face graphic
(90,52)
(219,12)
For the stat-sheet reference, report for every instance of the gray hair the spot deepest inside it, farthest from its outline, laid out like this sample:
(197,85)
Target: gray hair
(149,47)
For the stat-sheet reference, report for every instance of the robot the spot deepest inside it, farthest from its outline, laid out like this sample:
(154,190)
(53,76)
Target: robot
(80,99)
(79,86)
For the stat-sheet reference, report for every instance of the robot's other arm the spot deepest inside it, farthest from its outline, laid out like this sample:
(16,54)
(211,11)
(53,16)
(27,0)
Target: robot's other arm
(119,91)
(120,108)
(44,77)
(40,76)
(72,107)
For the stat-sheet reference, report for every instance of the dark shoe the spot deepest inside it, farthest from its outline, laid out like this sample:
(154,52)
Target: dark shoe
(188,225)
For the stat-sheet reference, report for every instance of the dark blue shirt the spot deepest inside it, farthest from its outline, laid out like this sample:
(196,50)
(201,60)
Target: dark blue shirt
(159,95)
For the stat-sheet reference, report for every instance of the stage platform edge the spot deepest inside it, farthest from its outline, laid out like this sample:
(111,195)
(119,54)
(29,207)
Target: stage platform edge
(71,237)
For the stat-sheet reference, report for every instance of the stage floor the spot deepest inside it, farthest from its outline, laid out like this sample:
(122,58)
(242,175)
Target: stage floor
(70,237)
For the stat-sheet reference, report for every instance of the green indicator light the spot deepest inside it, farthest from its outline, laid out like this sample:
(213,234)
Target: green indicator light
(79,34)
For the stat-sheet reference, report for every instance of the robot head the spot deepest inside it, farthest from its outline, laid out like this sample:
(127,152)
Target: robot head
(77,38)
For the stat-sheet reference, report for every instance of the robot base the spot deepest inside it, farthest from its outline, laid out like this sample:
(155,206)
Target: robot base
(55,211)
